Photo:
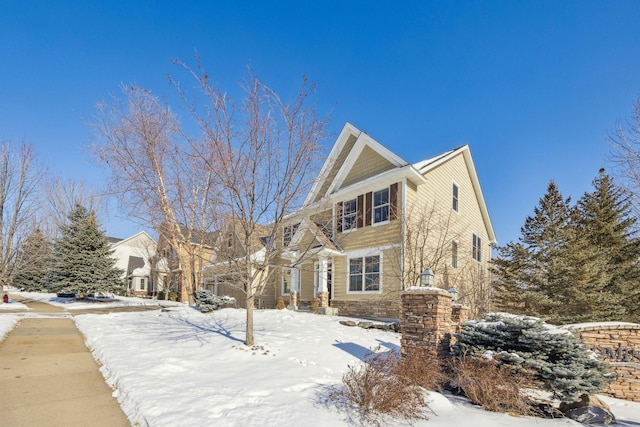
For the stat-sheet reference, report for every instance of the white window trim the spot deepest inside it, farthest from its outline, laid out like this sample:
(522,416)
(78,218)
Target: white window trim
(282,292)
(362,254)
(458,199)
(355,222)
(373,207)
(479,247)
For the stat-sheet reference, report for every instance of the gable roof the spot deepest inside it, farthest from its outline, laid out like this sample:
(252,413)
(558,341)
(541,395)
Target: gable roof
(117,242)
(429,164)
(343,156)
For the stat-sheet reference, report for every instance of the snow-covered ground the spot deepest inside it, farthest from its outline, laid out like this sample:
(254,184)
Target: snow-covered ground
(178,367)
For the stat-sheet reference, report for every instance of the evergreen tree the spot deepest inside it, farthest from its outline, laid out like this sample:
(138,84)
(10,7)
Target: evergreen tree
(532,275)
(82,261)
(32,262)
(558,360)
(608,253)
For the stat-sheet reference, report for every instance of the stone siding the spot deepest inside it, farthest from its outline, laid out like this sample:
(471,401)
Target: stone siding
(383,309)
(619,344)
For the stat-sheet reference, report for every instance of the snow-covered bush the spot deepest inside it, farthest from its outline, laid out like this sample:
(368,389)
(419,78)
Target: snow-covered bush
(557,360)
(207,301)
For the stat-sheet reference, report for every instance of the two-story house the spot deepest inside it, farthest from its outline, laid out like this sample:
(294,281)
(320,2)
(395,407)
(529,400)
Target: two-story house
(133,256)
(373,223)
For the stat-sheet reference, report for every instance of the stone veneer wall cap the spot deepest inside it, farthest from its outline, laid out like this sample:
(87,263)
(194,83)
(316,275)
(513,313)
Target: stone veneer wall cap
(602,325)
(427,290)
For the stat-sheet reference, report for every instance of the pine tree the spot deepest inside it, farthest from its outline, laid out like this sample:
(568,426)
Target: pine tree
(82,261)
(608,254)
(32,262)
(532,275)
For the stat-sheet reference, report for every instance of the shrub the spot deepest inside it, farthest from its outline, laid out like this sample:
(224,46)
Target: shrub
(385,386)
(207,301)
(555,358)
(171,296)
(280,305)
(485,383)
(314,306)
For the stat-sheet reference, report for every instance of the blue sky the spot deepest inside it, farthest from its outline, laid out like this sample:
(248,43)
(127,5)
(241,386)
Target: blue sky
(533,87)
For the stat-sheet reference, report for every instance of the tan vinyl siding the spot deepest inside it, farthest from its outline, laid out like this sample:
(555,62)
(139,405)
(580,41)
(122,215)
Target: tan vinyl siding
(368,164)
(336,166)
(306,281)
(437,194)
(390,286)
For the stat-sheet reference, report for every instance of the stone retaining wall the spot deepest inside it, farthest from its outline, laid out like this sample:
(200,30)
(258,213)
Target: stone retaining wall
(619,344)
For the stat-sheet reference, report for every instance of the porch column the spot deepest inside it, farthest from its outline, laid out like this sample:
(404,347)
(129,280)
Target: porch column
(295,280)
(323,293)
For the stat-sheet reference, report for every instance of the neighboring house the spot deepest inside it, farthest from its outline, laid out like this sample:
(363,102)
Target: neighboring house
(133,257)
(373,222)
(232,260)
(167,267)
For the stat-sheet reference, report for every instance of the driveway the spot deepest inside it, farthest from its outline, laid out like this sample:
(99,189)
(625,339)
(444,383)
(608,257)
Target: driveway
(48,377)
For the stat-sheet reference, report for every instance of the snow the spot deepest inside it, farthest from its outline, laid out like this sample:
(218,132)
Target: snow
(176,366)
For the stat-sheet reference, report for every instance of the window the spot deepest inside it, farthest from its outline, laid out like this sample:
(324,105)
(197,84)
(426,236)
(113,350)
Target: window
(454,254)
(381,206)
(364,274)
(349,215)
(476,248)
(455,192)
(287,233)
(286,281)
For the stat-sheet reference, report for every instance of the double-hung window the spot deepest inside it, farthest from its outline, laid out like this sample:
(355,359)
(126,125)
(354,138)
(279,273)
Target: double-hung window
(476,248)
(287,234)
(350,215)
(381,206)
(364,274)
(455,196)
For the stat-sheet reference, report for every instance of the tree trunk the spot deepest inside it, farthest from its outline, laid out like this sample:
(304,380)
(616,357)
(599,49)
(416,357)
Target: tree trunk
(249,332)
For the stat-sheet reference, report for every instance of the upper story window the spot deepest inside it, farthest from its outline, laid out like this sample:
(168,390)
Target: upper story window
(349,214)
(381,206)
(454,254)
(364,274)
(287,233)
(456,195)
(476,248)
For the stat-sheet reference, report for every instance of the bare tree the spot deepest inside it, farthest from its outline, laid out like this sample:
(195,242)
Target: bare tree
(21,176)
(265,157)
(61,197)
(625,153)
(434,238)
(159,174)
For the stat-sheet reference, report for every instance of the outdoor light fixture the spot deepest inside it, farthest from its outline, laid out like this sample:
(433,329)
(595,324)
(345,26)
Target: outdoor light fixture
(454,294)
(426,277)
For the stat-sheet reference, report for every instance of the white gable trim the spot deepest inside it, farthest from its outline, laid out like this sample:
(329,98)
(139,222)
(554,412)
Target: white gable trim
(347,130)
(363,141)
(430,164)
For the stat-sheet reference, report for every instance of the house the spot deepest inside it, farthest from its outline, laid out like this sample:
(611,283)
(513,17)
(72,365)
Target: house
(372,223)
(233,260)
(172,260)
(133,256)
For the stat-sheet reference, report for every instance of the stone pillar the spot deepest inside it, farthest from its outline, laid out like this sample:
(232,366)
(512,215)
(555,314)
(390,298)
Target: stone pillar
(425,321)
(323,300)
(459,315)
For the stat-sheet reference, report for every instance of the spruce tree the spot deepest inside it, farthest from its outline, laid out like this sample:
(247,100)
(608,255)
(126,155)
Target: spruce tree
(32,262)
(82,261)
(558,360)
(532,275)
(607,254)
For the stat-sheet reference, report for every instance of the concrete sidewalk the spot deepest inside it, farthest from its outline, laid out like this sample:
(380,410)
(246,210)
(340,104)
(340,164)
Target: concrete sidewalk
(48,377)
